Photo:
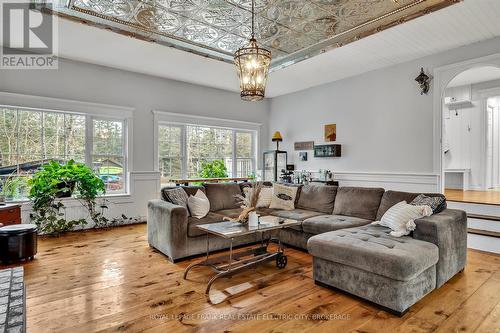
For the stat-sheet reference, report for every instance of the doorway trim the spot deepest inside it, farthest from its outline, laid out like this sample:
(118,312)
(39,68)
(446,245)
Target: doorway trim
(442,77)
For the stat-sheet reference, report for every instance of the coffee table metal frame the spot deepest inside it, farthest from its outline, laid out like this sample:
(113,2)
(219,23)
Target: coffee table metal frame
(230,264)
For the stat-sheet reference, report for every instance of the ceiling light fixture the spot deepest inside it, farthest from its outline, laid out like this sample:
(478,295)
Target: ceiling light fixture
(252,63)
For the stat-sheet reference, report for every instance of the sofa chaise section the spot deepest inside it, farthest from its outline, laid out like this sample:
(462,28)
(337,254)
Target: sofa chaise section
(368,262)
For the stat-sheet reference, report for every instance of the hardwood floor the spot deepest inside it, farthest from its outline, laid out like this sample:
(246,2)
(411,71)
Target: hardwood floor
(112,281)
(485,197)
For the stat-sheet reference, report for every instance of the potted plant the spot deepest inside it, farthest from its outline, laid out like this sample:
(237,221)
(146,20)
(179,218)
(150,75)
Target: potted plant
(54,181)
(14,187)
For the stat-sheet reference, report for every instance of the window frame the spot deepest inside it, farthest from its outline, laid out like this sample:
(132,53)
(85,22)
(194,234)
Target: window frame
(92,111)
(163,118)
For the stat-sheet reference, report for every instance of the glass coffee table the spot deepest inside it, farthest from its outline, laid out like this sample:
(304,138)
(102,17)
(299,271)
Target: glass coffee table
(235,262)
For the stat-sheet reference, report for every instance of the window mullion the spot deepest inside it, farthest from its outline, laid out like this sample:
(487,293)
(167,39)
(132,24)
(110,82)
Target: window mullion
(184,152)
(234,166)
(89,140)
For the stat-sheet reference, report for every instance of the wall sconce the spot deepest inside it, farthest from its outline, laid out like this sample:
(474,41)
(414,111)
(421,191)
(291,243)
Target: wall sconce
(423,80)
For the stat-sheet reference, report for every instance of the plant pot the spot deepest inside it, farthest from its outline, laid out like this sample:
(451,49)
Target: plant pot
(65,190)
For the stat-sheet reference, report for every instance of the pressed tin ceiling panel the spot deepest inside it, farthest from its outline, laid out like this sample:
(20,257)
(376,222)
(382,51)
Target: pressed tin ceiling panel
(293,30)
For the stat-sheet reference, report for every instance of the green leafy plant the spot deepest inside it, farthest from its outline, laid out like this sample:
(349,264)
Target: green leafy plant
(14,187)
(214,169)
(55,180)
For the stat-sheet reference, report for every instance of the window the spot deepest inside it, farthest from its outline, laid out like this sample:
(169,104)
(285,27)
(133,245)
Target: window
(204,144)
(30,138)
(108,158)
(170,152)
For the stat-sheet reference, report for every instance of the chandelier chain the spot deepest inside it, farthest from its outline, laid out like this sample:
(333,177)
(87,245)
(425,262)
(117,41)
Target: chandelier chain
(253,9)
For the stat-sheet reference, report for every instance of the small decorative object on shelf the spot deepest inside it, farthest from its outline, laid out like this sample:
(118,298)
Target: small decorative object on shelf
(327,150)
(287,174)
(423,80)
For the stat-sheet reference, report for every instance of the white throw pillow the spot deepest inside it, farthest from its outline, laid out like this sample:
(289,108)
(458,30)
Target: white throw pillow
(283,197)
(265,196)
(401,218)
(199,206)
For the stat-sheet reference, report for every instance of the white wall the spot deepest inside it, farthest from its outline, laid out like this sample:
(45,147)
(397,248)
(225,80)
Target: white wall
(383,123)
(91,83)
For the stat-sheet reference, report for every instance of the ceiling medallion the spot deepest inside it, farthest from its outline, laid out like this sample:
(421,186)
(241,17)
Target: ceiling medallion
(252,64)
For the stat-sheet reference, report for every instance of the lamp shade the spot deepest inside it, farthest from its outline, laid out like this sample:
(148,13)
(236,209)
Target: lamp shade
(277,136)
(252,63)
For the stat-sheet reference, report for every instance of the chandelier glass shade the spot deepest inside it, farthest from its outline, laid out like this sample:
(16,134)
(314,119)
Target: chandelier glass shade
(252,64)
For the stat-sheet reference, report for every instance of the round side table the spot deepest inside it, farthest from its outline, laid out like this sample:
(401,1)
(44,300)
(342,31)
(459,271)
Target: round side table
(18,242)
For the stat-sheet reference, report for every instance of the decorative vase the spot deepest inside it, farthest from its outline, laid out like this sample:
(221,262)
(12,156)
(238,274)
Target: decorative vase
(253,219)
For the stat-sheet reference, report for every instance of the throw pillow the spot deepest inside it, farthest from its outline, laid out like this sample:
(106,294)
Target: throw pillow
(198,204)
(424,200)
(283,197)
(265,196)
(401,218)
(177,196)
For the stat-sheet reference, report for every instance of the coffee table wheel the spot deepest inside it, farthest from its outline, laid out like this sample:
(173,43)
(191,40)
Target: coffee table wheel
(281,261)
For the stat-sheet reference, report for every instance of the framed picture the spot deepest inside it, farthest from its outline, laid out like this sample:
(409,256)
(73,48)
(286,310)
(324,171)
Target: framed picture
(330,132)
(303,156)
(304,145)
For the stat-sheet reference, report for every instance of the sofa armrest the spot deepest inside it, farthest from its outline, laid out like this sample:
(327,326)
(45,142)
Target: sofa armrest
(447,230)
(167,227)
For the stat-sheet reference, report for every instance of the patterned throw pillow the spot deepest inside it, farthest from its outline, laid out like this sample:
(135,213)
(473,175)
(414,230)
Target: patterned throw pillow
(401,218)
(265,196)
(177,196)
(424,200)
(283,197)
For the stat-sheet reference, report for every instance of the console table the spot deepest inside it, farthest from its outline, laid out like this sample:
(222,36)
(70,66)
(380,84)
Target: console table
(465,175)
(10,214)
(186,182)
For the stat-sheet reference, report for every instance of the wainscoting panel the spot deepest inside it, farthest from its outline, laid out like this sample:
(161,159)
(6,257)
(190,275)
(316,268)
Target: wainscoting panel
(410,182)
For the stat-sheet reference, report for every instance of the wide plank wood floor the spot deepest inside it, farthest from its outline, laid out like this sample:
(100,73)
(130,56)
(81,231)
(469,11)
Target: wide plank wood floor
(112,281)
(485,197)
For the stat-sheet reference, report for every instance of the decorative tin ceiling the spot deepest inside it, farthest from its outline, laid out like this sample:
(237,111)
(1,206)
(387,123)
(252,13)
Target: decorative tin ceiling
(293,30)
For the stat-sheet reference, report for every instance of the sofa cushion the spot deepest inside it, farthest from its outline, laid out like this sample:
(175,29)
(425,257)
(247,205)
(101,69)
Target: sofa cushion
(362,202)
(190,190)
(223,195)
(319,198)
(177,196)
(390,198)
(232,213)
(296,214)
(193,222)
(266,211)
(284,197)
(372,249)
(324,223)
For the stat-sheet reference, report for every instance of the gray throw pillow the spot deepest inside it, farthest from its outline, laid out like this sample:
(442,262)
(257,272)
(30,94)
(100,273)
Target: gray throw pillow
(424,200)
(177,196)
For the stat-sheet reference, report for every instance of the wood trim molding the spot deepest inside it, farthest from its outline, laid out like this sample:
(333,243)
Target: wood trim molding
(64,105)
(483,232)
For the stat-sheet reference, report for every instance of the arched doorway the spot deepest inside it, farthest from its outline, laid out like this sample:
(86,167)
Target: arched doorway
(470,134)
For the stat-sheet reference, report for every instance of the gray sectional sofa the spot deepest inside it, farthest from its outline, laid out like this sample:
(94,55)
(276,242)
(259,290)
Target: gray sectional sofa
(348,252)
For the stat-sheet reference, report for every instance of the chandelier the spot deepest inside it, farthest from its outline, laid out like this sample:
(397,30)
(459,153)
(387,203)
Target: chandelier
(252,63)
